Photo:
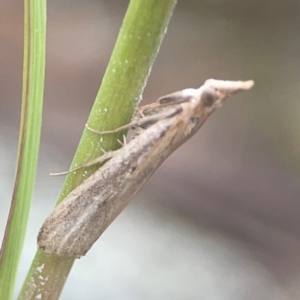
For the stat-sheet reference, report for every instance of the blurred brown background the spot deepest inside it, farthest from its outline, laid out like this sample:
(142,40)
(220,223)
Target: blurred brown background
(220,219)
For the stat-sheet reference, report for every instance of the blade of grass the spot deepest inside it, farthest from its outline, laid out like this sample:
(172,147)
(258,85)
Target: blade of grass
(29,140)
(137,45)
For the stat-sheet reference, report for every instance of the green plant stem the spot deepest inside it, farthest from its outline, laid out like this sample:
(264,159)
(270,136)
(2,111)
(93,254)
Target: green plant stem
(137,45)
(29,140)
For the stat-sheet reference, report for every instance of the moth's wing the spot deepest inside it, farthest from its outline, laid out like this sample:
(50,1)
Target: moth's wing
(54,234)
(73,226)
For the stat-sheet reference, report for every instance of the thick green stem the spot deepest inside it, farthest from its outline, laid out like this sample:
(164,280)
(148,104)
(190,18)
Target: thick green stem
(136,48)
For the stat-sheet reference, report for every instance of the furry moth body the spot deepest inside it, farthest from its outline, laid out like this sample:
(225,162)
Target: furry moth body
(80,219)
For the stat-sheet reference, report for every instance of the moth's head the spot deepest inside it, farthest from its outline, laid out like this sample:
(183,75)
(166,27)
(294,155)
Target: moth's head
(209,97)
(213,93)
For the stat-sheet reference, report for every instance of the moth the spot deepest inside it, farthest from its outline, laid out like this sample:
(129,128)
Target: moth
(80,219)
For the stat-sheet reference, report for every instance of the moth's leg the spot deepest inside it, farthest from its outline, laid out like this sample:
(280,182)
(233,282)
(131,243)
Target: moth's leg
(101,159)
(124,143)
(140,121)
(127,126)
(140,110)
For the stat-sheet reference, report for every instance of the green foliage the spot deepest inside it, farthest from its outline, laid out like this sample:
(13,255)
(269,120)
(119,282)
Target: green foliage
(137,45)
(29,140)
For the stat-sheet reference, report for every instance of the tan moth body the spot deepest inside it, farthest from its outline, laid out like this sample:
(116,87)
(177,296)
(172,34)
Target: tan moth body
(77,222)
